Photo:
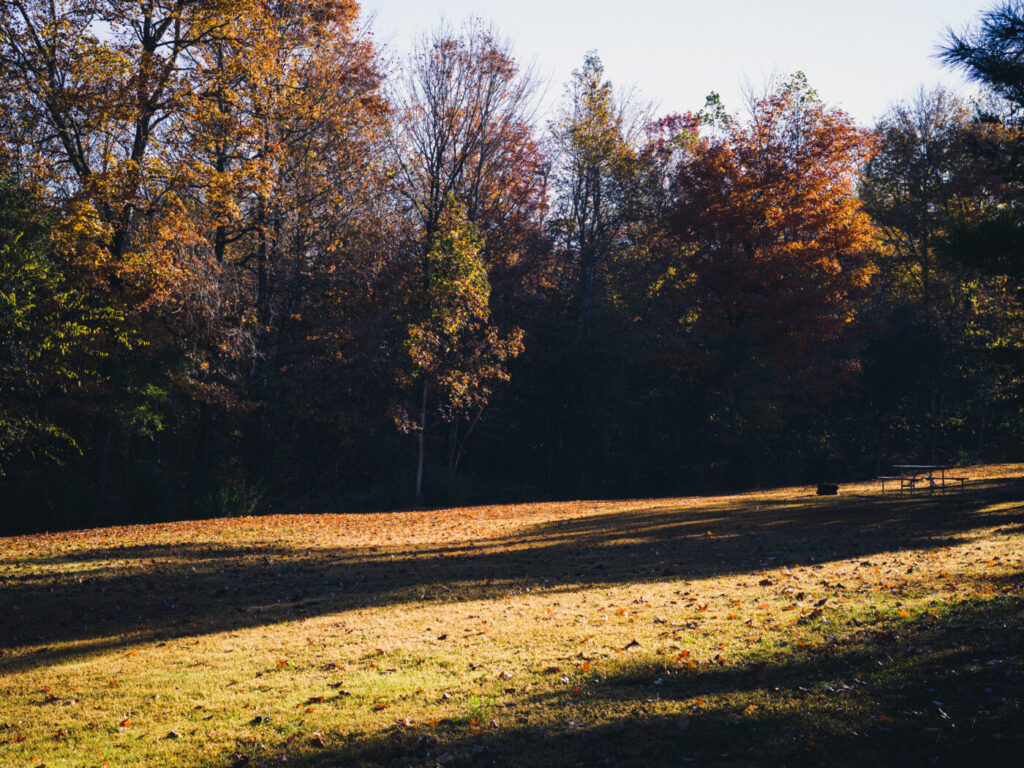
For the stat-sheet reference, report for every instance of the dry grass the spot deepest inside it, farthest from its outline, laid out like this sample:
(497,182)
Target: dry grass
(769,628)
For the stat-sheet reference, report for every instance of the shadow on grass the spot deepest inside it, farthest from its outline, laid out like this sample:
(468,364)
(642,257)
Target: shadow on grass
(946,690)
(182,590)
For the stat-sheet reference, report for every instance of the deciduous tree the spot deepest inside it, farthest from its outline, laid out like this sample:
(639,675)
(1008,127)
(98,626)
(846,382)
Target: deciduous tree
(773,249)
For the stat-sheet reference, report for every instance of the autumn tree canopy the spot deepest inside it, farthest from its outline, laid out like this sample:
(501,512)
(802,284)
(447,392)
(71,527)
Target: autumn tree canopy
(248,260)
(774,251)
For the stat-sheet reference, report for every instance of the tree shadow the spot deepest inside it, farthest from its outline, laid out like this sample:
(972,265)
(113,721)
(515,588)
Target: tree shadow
(895,695)
(159,592)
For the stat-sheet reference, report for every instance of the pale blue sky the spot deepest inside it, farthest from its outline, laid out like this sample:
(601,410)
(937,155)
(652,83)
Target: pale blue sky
(860,55)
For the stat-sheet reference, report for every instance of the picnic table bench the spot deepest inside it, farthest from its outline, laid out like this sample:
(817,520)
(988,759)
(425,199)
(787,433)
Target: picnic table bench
(912,475)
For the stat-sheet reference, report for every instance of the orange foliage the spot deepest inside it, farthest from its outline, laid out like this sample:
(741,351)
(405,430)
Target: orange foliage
(775,242)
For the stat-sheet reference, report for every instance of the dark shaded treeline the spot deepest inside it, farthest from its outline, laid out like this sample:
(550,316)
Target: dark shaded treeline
(257,274)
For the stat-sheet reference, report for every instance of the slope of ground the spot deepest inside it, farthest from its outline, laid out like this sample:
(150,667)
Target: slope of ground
(773,628)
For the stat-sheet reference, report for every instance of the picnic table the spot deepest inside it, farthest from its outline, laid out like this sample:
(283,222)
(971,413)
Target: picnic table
(912,475)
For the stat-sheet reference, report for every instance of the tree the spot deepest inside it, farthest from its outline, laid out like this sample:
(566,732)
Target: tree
(992,239)
(921,180)
(592,141)
(931,315)
(228,152)
(94,95)
(97,106)
(50,332)
(467,160)
(455,354)
(593,145)
(290,188)
(772,253)
(990,54)
(464,127)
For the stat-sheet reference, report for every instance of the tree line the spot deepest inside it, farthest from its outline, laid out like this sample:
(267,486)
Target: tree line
(247,264)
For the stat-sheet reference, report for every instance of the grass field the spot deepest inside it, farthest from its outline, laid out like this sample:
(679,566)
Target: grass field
(767,629)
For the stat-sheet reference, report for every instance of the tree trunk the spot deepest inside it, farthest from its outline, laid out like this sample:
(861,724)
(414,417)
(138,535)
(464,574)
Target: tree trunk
(201,456)
(99,500)
(453,441)
(461,444)
(423,429)
(981,431)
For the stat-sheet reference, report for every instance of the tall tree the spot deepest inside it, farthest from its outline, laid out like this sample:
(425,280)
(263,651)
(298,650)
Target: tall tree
(299,119)
(990,53)
(93,91)
(456,354)
(50,330)
(921,180)
(593,144)
(463,143)
(227,149)
(928,333)
(773,250)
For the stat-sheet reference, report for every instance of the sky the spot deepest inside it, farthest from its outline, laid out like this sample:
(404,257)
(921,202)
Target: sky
(860,56)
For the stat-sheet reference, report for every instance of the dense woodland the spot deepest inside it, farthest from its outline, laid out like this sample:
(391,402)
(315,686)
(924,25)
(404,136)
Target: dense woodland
(248,263)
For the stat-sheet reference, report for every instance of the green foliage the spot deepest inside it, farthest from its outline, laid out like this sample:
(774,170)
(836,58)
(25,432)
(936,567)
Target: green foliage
(989,53)
(714,114)
(457,291)
(48,334)
(142,410)
(451,344)
(238,499)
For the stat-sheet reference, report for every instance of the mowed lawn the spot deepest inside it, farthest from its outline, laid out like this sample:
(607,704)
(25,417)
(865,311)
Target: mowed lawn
(767,629)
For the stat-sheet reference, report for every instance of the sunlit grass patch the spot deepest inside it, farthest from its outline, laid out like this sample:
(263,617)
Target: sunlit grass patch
(768,628)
